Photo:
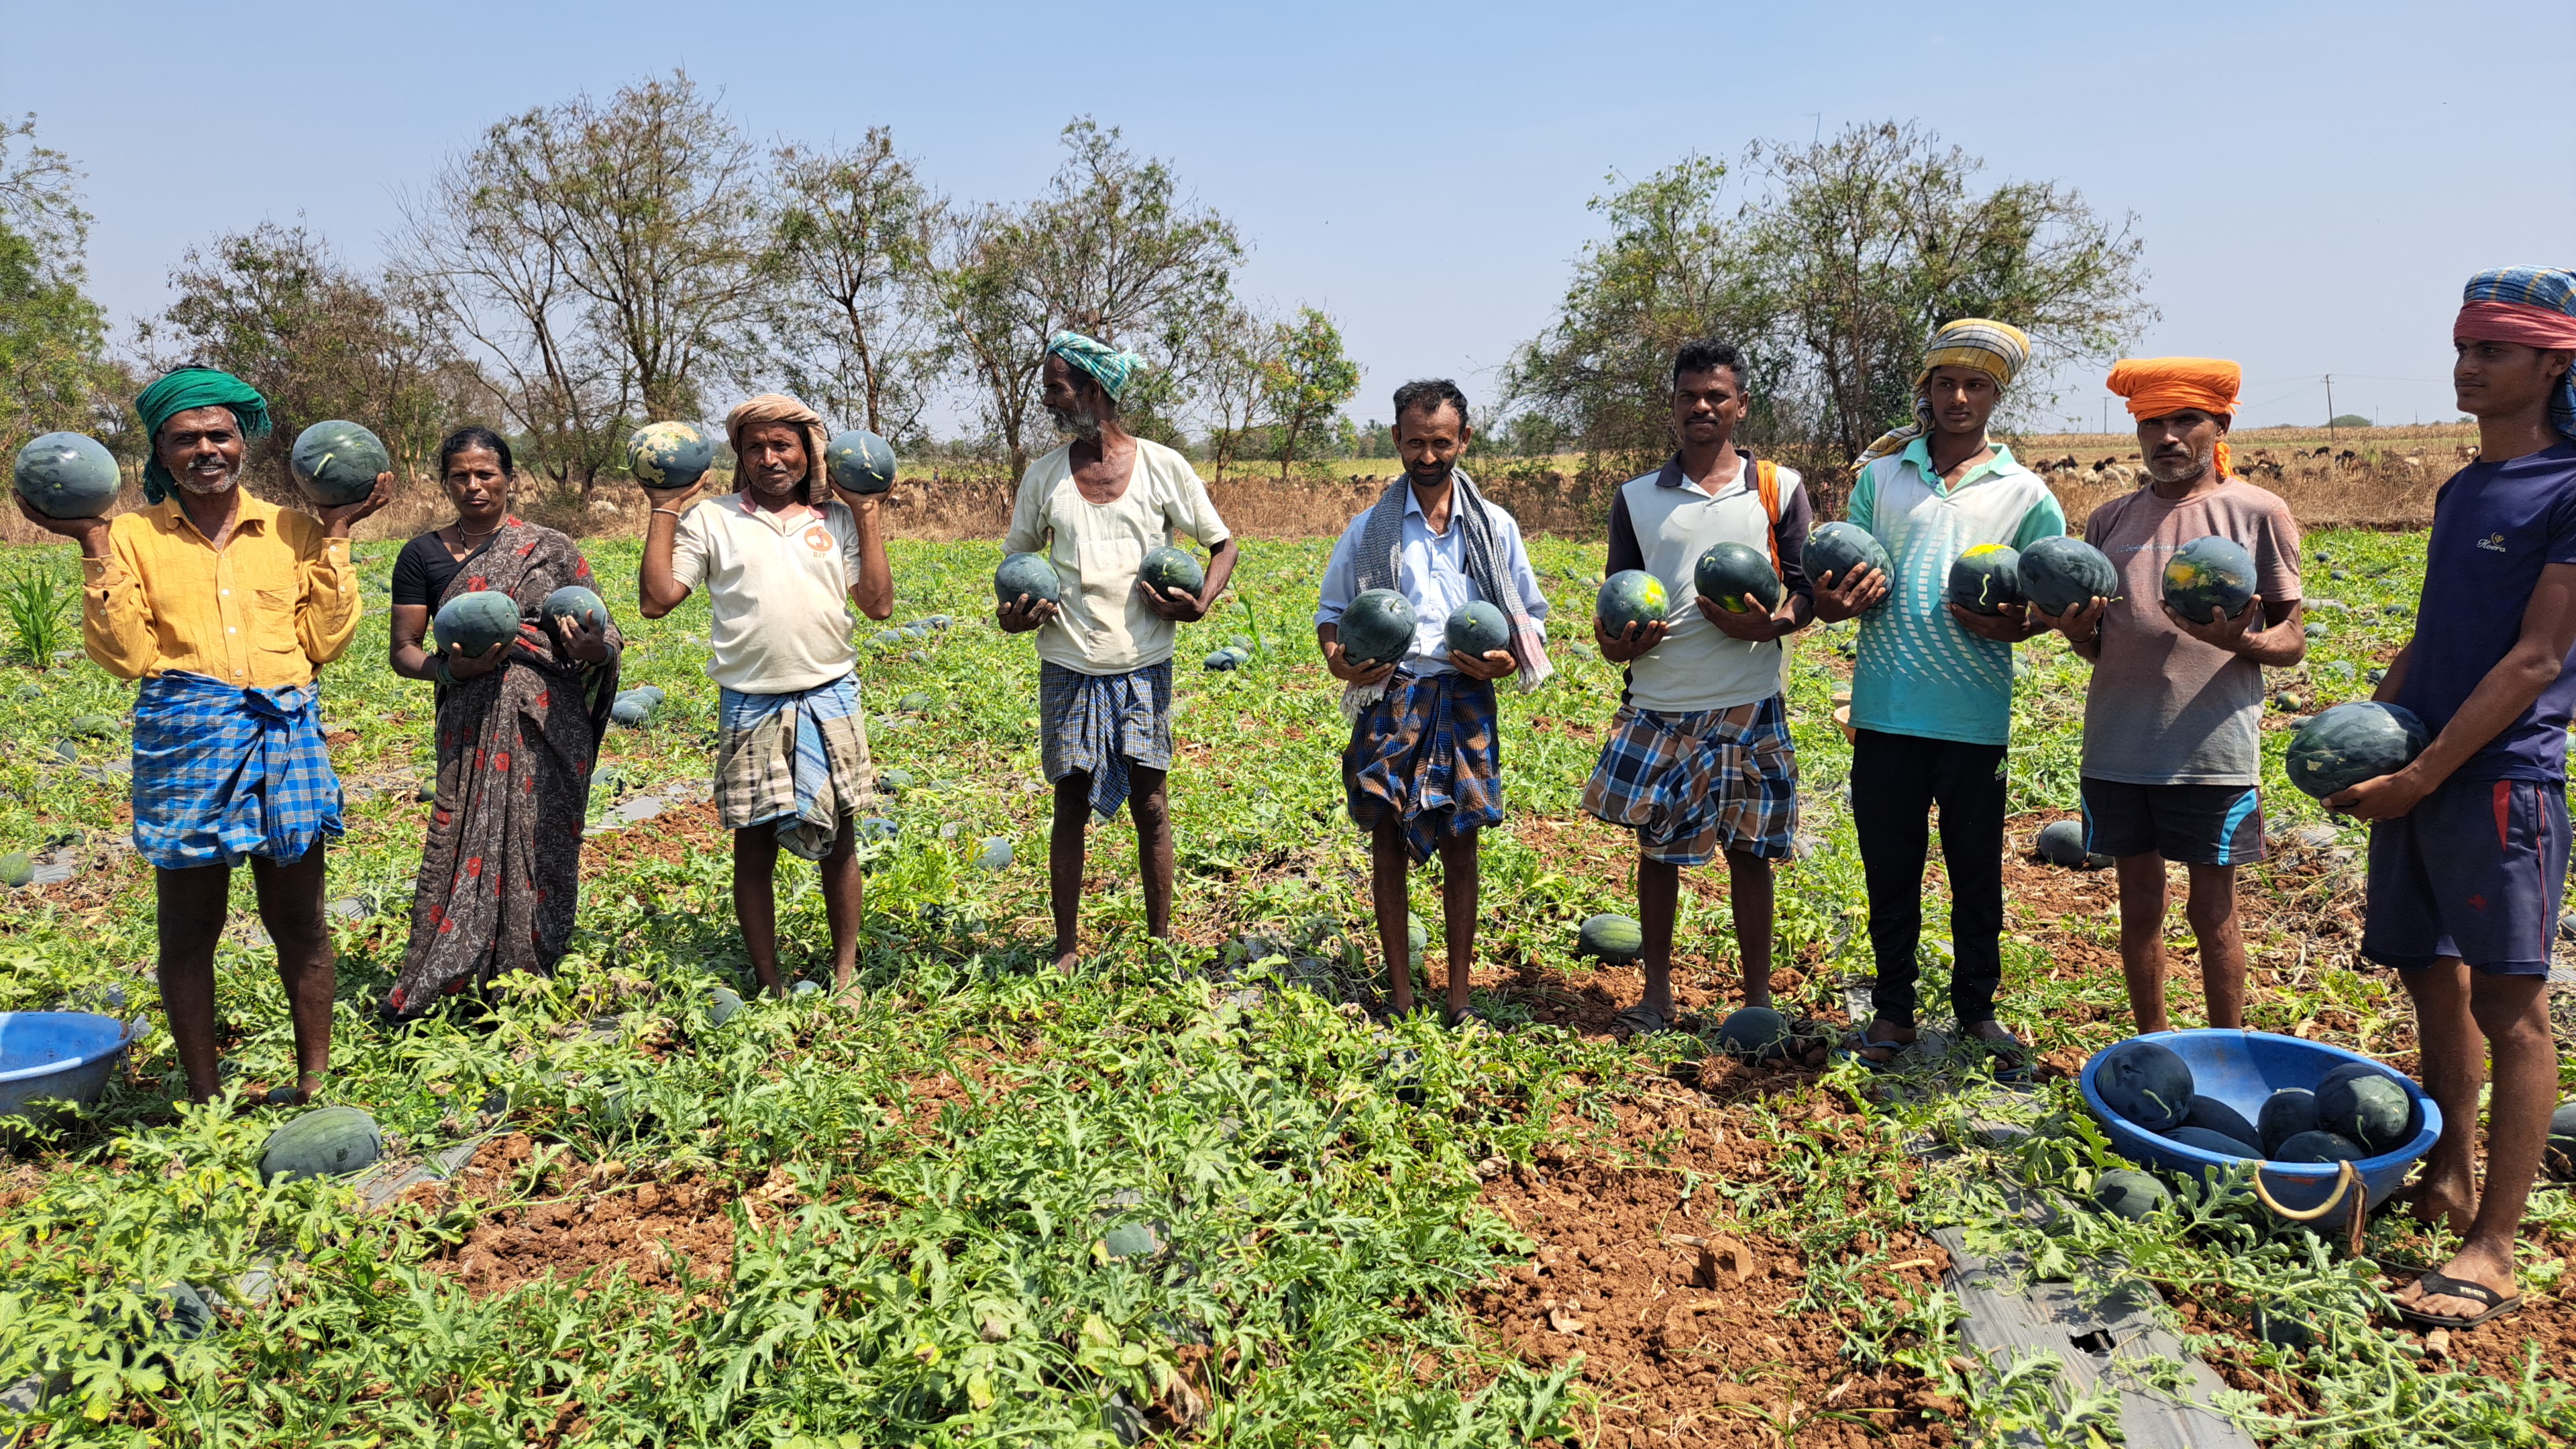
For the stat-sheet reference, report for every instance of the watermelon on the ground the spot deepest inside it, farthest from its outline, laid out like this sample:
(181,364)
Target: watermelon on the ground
(324,1142)
(860,462)
(2145,1083)
(2127,1193)
(94,726)
(582,604)
(336,462)
(2320,1146)
(1173,571)
(1377,628)
(1223,659)
(1835,549)
(1478,628)
(894,781)
(17,868)
(477,622)
(2351,743)
(2283,1326)
(1030,574)
(1986,578)
(2560,1155)
(2209,577)
(722,1003)
(996,854)
(2208,1141)
(1417,937)
(1614,939)
(2286,1113)
(2062,573)
(1728,573)
(1631,596)
(666,457)
(2061,842)
(2371,1108)
(627,710)
(67,475)
(877,830)
(1753,1031)
(650,694)
(2216,1116)
(917,702)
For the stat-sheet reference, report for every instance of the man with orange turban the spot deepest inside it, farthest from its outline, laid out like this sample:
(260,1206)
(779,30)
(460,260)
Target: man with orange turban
(2172,743)
(2468,844)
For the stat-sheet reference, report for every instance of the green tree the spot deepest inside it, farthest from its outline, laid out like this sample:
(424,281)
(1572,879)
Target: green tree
(54,370)
(1305,381)
(2348,420)
(1230,375)
(853,323)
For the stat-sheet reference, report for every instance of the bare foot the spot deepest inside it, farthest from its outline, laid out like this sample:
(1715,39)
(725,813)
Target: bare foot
(2472,1266)
(1066,960)
(2449,1198)
(1881,1040)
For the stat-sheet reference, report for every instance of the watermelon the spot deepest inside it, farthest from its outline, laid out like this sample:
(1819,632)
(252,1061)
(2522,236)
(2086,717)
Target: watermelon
(2283,1326)
(67,475)
(476,621)
(630,711)
(1223,659)
(1614,939)
(1417,938)
(2058,574)
(666,457)
(2208,1141)
(1729,573)
(1173,571)
(894,781)
(2129,1194)
(1631,596)
(859,462)
(2144,1083)
(877,830)
(996,854)
(324,1142)
(337,462)
(1986,578)
(721,1005)
(2560,1155)
(1029,574)
(1834,549)
(917,702)
(2209,577)
(94,726)
(1753,1031)
(584,605)
(1478,629)
(2370,1108)
(2061,842)
(2286,1113)
(1377,628)
(2320,1146)
(650,694)
(17,868)
(2351,743)
(2216,1116)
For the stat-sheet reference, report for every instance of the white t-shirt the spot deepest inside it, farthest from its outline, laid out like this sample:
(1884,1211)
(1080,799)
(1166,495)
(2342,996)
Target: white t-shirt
(1699,666)
(779,584)
(1103,625)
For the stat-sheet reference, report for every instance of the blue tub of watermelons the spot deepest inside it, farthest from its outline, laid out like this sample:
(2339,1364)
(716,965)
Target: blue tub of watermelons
(64,1056)
(2243,1069)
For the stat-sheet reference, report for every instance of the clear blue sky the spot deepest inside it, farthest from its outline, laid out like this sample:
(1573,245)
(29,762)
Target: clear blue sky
(2314,182)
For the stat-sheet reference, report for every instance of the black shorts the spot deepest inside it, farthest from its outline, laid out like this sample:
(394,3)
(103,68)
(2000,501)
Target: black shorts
(2194,824)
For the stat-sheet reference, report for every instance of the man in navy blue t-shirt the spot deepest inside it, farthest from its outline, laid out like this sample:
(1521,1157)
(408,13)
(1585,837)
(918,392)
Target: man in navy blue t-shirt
(2468,853)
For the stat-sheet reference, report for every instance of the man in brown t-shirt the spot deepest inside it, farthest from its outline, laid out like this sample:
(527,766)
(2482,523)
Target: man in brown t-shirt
(2172,753)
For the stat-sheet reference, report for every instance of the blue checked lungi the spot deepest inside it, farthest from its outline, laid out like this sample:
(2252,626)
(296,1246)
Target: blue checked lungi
(1427,751)
(1692,783)
(1101,724)
(222,772)
(798,759)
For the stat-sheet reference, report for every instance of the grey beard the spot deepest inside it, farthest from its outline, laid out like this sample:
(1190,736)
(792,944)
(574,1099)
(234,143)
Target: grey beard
(1076,423)
(2180,473)
(188,480)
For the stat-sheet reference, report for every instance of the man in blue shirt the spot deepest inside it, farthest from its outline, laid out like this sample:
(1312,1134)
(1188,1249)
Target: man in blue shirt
(1423,770)
(2468,848)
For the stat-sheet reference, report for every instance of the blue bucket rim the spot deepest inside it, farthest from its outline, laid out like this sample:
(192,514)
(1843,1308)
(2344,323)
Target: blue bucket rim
(2320,1172)
(127,1033)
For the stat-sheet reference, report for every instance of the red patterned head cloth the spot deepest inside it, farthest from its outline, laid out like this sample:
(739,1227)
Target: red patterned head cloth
(778,407)
(2535,306)
(2157,387)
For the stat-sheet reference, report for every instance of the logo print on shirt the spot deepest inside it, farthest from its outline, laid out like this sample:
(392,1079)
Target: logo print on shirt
(819,540)
(2492,543)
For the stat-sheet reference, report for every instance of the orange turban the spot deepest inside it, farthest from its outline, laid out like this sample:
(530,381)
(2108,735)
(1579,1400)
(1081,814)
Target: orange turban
(2161,386)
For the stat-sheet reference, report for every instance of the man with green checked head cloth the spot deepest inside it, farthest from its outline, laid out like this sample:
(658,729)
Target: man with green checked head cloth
(1932,692)
(1095,508)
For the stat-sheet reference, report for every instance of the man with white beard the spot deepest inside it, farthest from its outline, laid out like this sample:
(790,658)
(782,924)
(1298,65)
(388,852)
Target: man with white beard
(226,607)
(2172,743)
(1096,507)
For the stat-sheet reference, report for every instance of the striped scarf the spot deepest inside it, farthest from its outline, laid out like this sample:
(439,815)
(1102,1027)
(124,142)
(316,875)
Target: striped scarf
(1381,566)
(1997,349)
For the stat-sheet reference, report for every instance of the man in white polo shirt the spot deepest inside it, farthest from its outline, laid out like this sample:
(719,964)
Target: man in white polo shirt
(1698,759)
(779,558)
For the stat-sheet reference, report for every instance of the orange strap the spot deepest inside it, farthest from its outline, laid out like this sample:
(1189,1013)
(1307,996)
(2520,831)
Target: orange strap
(1766,481)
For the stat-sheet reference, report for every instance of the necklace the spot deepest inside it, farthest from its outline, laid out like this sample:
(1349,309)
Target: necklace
(463,537)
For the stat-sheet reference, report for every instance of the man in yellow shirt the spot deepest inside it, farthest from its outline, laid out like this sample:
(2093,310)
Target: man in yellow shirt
(225,606)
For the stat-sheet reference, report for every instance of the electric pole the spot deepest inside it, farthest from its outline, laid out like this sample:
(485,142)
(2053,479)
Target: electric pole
(2330,412)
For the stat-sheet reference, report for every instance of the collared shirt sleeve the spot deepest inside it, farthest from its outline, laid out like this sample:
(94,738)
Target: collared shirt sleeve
(2046,519)
(1524,578)
(1193,512)
(1341,574)
(1625,552)
(690,545)
(117,625)
(1797,520)
(1028,532)
(326,604)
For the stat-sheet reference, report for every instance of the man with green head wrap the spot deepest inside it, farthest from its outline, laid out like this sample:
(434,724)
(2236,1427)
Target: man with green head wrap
(225,606)
(1097,506)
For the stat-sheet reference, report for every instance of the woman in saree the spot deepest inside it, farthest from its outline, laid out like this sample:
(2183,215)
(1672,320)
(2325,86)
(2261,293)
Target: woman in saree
(518,731)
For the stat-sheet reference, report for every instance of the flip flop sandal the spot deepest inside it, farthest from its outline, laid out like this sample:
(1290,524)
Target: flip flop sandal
(1860,1041)
(2443,1285)
(1640,1021)
(2012,1062)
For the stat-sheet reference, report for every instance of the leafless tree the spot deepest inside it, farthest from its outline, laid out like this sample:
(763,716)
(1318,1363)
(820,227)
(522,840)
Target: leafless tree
(853,323)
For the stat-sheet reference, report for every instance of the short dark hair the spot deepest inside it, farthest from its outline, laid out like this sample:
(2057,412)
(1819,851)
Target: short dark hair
(1707,355)
(1429,394)
(476,436)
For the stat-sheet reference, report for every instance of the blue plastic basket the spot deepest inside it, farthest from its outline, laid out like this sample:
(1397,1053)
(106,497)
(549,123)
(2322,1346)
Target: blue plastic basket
(59,1055)
(2242,1068)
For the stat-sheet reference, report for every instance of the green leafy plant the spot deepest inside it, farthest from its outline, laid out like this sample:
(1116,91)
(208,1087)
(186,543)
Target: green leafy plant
(39,611)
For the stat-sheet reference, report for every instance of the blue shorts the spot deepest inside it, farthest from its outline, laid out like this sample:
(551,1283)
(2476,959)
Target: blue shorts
(2476,872)
(2192,824)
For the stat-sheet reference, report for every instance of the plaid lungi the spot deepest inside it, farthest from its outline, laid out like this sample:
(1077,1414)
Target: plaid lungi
(1691,784)
(799,759)
(222,772)
(1101,724)
(1428,751)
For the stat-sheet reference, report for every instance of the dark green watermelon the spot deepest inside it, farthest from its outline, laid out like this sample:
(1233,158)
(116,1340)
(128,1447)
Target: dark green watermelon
(1029,574)
(2129,1194)
(2058,574)
(1614,939)
(1985,579)
(582,604)
(1477,629)
(2560,1156)
(324,1142)
(1730,572)
(1631,596)
(477,621)
(1834,549)
(2370,1108)
(2320,1146)
(2061,842)
(2208,577)
(2351,743)
(667,457)
(1173,571)
(336,462)
(2286,1113)
(859,462)
(67,475)
(2208,1141)
(1377,628)
(2216,1116)
(2144,1083)
(1753,1031)
(1417,938)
